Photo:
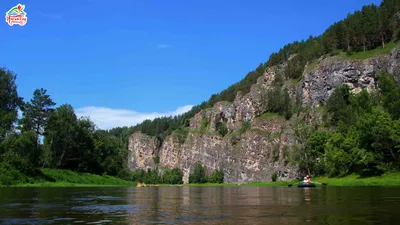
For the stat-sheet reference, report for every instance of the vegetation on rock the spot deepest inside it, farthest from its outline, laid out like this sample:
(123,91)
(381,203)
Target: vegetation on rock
(198,175)
(366,135)
(274,177)
(217,177)
(370,28)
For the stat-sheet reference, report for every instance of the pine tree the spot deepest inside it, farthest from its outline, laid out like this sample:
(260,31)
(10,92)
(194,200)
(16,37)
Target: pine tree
(37,112)
(384,24)
(370,25)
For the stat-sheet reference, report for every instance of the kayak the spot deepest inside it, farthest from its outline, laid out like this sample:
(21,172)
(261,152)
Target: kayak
(304,184)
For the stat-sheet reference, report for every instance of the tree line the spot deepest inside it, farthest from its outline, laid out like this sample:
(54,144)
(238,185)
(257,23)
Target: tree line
(175,175)
(46,136)
(365,29)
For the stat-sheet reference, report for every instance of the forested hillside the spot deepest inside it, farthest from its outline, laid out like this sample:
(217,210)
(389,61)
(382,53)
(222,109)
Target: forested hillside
(365,138)
(369,28)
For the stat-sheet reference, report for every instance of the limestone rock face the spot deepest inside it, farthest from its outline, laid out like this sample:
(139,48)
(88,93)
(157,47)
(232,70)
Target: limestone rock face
(331,72)
(263,149)
(394,63)
(244,108)
(171,152)
(141,150)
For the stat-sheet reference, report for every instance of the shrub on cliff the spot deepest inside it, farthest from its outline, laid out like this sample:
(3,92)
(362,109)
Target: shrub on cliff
(198,176)
(245,126)
(156,159)
(222,129)
(216,177)
(274,177)
(338,102)
(173,176)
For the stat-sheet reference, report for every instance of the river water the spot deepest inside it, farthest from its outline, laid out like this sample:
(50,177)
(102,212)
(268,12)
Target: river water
(200,205)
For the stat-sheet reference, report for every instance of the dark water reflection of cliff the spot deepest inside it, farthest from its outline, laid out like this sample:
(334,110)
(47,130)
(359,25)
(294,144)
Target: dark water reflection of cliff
(200,205)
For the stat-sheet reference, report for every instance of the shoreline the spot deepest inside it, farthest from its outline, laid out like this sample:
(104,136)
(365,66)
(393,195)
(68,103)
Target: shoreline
(385,180)
(388,179)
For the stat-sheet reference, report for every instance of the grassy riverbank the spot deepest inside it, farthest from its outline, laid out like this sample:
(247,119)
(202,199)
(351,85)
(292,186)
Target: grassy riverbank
(389,179)
(281,183)
(66,178)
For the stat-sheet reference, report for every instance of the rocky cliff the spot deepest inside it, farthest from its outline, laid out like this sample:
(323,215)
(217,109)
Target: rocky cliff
(253,154)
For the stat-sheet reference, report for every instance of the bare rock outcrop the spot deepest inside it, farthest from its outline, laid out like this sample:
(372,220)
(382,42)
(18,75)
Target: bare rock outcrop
(141,150)
(318,84)
(171,152)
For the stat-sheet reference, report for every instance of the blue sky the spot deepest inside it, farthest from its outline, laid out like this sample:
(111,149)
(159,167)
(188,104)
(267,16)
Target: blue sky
(123,61)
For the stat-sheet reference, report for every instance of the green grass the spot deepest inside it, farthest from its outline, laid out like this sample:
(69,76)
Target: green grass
(312,65)
(261,132)
(67,178)
(296,81)
(203,131)
(371,53)
(64,184)
(388,179)
(270,116)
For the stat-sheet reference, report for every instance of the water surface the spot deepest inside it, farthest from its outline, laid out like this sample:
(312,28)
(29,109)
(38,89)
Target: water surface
(200,205)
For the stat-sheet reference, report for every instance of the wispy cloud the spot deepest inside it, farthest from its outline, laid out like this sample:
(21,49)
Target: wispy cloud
(107,118)
(164,46)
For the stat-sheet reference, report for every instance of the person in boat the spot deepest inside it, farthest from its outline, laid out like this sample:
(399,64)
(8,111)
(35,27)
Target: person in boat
(307,179)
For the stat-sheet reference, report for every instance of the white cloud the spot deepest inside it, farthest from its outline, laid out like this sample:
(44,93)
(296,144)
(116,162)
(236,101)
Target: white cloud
(107,118)
(164,46)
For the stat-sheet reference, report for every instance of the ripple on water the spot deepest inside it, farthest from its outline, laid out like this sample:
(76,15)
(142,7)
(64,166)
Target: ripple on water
(198,218)
(100,222)
(23,221)
(34,207)
(109,209)
(108,198)
(83,199)
(11,205)
(64,219)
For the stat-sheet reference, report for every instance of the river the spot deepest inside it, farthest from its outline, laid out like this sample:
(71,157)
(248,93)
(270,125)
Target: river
(200,205)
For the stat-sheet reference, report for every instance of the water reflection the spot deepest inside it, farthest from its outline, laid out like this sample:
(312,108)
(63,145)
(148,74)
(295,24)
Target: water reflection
(307,194)
(199,205)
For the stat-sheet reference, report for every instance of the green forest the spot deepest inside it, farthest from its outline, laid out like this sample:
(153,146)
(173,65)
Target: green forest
(361,133)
